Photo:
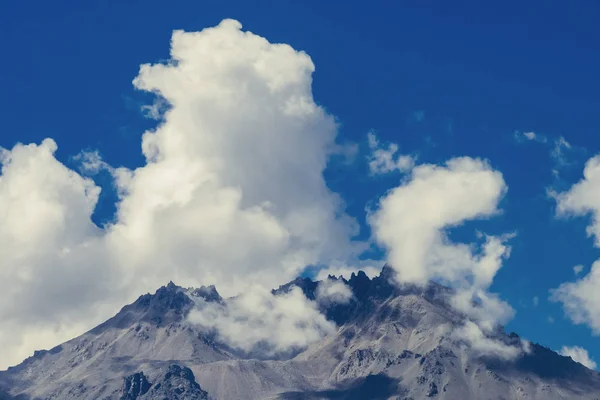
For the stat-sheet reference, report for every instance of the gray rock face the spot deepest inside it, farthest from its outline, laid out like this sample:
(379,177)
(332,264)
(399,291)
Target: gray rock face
(135,386)
(391,343)
(178,383)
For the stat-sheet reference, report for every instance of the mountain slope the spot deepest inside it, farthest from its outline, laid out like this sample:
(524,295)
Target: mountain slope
(390,343)
(146,334)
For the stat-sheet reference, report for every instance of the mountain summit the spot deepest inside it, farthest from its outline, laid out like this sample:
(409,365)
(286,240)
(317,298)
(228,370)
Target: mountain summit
(389,342)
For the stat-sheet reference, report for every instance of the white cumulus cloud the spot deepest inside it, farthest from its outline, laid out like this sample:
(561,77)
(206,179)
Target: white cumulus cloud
(55,269)
(581,298)
(412,220)
(231,193)
(483,345)
(233,187)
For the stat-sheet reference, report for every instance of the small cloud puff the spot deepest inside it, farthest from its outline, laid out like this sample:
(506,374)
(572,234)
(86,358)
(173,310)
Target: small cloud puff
(264,324)
(581,299)
(331,291)
(562,153)
(578,354)
(382,160)
(529,136)
(91,162)
(482,344)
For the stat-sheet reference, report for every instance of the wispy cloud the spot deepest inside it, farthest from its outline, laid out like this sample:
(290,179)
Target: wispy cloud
(578,354)
(521,137)
(384,160)
(562,153)
(90,162)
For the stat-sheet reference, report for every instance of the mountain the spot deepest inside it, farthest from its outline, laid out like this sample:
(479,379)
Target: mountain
(390,343)
(177,383)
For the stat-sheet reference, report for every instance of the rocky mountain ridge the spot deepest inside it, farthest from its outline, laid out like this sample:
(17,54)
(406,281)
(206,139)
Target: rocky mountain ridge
(391,342)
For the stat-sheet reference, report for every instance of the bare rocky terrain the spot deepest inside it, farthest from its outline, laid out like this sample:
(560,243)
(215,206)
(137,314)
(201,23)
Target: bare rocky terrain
(390,343)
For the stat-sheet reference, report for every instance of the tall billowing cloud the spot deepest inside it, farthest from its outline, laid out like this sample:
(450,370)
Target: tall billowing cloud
(55,267)
(581,298)
(412,221)
(232,193)
(233,187)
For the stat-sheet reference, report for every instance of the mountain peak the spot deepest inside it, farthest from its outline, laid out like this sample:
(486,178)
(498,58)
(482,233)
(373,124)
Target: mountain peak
(169,297)
(208,293)
(307,285)
(135,386)
(387,272)
(388,335)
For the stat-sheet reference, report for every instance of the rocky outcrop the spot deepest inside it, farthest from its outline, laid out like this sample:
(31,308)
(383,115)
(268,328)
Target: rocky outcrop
(178,383)
(135,386)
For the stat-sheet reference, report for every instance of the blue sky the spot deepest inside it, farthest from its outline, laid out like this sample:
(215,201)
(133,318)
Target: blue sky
(439,80)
